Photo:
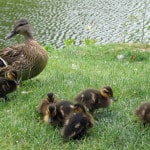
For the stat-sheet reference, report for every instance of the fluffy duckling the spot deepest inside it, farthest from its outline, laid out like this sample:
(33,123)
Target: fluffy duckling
(28,58)
(9,83)
(51,98)
(94,99)
(77,123)
(56,113)
(143,112)
(51,115)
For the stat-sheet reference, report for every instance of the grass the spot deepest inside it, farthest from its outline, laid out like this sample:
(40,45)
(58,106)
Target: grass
(69,71)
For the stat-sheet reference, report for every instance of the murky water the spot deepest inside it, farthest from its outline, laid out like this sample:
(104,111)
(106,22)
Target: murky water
(54,20)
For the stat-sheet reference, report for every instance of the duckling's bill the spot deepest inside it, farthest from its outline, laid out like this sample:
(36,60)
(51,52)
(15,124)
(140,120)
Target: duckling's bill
(50,120)
(17,82)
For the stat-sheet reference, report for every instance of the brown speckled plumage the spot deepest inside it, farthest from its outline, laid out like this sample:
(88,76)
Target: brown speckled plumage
(28,58)
(143,112)
(63,108)
(51,98)
(94,99)
(8,84)
(77,123)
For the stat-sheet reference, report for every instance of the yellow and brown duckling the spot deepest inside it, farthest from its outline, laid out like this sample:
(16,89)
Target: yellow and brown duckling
(77,123)
(51,115)
(28,58)
(143,112)
(56,113)
(51,98)
(94,99)
(9,83)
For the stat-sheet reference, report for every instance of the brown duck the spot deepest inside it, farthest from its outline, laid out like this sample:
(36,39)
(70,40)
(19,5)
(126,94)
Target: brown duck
(28,58)
(56,113)
(94,99)
(51,98)
(143,112)
(50,115)
(77,123)
(9,83)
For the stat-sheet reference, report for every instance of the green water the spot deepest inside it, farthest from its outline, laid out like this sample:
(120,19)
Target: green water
(54,20)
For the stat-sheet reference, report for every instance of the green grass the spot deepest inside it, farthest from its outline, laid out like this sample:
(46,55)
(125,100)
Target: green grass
(69,71)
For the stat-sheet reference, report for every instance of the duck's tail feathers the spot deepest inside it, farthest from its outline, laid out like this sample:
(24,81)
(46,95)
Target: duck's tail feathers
(3,63)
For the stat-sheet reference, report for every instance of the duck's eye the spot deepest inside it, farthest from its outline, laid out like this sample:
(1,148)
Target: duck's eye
(107,92)
(22,24)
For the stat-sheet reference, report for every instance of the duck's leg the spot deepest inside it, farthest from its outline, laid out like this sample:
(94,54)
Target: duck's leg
(4,98)
(144,124)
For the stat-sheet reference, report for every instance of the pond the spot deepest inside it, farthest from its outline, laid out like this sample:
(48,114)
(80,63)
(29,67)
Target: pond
(107,21)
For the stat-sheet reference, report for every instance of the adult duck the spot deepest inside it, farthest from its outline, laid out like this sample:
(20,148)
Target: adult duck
(28,58)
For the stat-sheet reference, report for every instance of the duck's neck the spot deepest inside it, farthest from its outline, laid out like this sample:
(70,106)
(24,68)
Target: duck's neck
(28,36)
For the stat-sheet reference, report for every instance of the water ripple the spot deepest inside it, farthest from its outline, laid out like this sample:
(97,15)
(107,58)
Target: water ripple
(53,21)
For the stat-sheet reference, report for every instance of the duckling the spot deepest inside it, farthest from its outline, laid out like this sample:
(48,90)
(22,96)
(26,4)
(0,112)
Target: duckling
(9,83)
(28,58)
(51,98)
(77,123)
(56,113)
(64,108)
(143,112)
(50,115)
(94,99)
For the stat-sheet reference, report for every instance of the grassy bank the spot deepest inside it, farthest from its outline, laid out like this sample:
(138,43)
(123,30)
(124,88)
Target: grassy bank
(126,68)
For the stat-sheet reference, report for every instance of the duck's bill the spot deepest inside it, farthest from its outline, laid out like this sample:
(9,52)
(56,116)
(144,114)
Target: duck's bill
(50,120)
(10,35)
(113,99)
(17,82)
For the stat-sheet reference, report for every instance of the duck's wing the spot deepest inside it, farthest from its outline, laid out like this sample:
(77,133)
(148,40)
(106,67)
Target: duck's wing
(12,53)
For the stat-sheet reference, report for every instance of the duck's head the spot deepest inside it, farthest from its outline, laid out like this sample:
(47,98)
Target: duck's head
(107,92)
(23,27)
(12,75)
(52,112)
(51,97)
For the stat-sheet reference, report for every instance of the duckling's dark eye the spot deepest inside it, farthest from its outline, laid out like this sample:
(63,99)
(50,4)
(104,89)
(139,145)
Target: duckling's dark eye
(107,92)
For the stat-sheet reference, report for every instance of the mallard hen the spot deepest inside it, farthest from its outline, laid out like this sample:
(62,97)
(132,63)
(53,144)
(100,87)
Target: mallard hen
(28,58)
(77,123)
(94,99)
(143,112)
(8,84)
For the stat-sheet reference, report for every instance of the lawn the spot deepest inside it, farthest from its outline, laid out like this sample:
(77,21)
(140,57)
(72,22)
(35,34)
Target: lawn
(124,67)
